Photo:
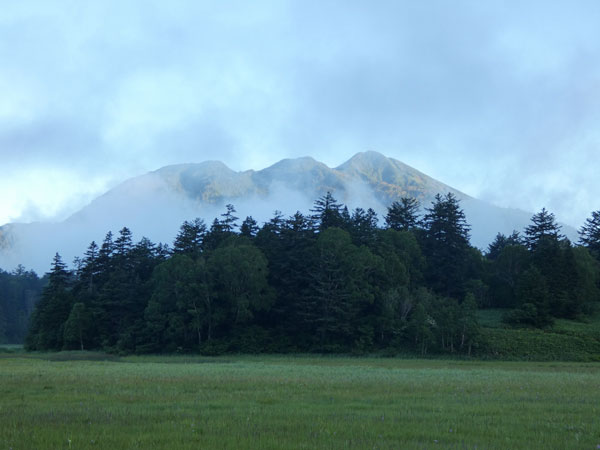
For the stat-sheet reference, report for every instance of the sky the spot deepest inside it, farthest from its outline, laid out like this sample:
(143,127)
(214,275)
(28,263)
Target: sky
(499,99)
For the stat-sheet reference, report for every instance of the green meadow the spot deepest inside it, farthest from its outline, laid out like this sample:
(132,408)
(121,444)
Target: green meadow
(81,401)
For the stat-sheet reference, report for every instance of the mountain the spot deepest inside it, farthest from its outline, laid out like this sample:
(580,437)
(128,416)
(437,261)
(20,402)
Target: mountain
(155,204)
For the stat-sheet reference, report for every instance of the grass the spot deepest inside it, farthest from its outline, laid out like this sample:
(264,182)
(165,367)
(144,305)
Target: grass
(79,401)
(565,340)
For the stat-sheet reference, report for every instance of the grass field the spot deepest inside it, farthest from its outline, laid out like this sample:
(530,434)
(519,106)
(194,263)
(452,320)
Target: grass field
(61,401)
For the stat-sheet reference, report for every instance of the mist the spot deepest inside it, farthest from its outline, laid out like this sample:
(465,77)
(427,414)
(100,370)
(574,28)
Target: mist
(475,94)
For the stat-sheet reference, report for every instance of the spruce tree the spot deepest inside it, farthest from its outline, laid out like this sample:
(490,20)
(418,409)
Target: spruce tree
(327,212)
(589,234)
(249,227)
(52,311)
(403,215)
(190,238)
(446,246)
(543,227)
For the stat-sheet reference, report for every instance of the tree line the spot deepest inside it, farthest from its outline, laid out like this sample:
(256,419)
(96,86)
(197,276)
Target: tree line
(19,292)
(333,280)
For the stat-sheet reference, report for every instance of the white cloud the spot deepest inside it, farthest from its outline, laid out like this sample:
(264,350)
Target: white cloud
(473,93)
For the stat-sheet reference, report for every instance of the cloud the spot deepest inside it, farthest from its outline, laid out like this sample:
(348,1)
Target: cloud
(475,94)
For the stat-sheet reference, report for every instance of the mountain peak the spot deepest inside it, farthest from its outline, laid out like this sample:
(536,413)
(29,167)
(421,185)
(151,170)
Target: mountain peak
(205,167)
(370,156)
(368,179)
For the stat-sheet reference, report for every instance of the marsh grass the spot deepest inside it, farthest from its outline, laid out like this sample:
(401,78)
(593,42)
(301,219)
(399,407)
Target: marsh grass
(274,402)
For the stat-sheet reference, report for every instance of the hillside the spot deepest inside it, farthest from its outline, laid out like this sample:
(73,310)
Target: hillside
(155,204)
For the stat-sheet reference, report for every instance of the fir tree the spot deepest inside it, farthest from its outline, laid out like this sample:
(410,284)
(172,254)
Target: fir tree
(446,246)
(589,234)
(190,238)
(326,212)
(543,227)
(403,215)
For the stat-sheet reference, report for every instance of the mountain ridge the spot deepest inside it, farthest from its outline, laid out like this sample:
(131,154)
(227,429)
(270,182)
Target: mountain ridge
(156,203)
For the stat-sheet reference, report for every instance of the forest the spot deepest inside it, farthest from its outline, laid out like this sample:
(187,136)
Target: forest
(19,292)
(330,281)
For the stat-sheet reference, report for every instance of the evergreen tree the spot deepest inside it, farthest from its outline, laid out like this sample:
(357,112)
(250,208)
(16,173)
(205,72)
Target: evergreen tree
(105,257)
(403,215)
(290,253)
(90,265)
(275,224)
(363,226)
(190,238)
(326,212)
(123,246)
(446,246)
(249,227)
(221,230)
(52,311)
(589,234)
(19,292)
(228,223)
(543,227)
(116,308)
(501,241)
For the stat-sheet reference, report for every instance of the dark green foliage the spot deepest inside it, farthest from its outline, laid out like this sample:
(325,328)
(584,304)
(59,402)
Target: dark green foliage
(77,328)
(446,246)
(363,226)
(52,311)
(331,282)
(249,227)
(179,313)
(228,221)
(238,279)
(420,328)
(20,290)
(532,296)
(327,212)
(587,289)
(500,242)
(504,274)
(190,238)
(403,215)
(589,234)
(542,228)
(222,229)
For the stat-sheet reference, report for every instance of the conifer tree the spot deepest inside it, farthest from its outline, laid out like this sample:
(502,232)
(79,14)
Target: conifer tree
(90,266)
(403,215)
(446,246)
(228,223)
(543,227)
(190,238)
(326,212)
(249,227)
(52,311)
(589,234)
(500,242)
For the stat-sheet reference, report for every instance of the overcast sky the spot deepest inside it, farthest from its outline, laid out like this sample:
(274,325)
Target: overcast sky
(498,99)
